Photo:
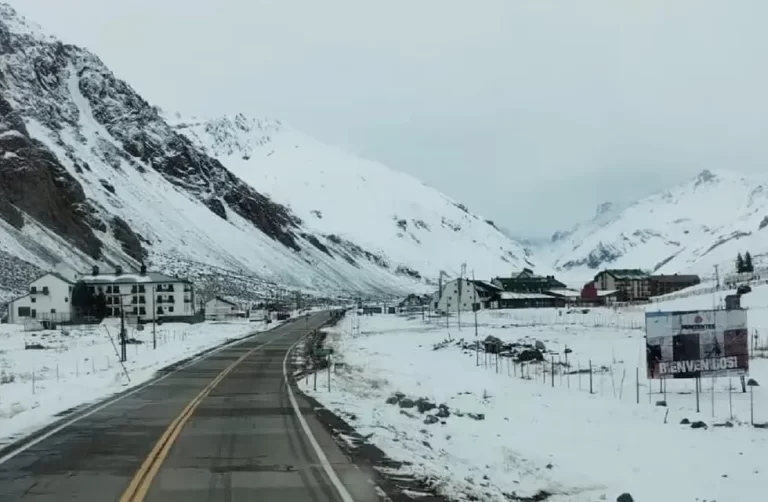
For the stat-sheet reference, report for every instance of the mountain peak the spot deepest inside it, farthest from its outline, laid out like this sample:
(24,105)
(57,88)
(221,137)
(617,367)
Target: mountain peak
(705,176)
(17,24)
(606,208)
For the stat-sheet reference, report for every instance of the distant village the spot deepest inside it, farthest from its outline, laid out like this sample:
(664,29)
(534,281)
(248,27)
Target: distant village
(144,296)
(138,296)
(525,289)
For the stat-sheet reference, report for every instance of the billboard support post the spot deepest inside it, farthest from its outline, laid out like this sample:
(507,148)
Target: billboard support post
(713,397)
(698,386)
(752,405)
(591,391)
(730,398)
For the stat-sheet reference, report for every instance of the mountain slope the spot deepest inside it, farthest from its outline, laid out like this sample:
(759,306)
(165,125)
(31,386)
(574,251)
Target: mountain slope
(336,194)
(689,228)
(90,172)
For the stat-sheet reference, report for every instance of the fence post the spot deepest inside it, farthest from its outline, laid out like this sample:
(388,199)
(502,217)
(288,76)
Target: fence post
(591,389)
(553,371)
(578,371)
(730,397)
(637,384)
(33,381)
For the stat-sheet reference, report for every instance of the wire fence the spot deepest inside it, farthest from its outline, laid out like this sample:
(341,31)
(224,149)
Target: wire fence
(723,398)
(631,320)
(84,353)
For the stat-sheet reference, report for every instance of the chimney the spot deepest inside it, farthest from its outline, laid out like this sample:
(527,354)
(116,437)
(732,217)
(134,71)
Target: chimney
(143,269)
(95,270)
(118,269)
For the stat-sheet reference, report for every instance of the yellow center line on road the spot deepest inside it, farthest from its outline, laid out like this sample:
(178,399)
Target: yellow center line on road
(139,485)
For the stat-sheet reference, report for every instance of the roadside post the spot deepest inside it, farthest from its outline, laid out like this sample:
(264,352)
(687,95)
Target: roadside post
(327,354)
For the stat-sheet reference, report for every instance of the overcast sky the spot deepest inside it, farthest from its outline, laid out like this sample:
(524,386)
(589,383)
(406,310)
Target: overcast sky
(532,112)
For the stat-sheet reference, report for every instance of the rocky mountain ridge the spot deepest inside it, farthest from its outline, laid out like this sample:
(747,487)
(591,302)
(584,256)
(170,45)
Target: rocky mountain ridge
(704,222)
(91,172)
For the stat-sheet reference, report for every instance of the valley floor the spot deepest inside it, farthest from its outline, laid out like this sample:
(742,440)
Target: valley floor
(509,438)
(46,373)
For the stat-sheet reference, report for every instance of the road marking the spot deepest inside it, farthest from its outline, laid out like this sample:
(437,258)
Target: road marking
(340,488)
(98,407)
(142,480)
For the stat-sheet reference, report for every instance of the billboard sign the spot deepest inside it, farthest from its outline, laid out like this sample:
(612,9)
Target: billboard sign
(696,344)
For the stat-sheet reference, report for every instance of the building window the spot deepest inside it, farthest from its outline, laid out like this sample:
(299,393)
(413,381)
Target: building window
(159,310)
(34,300)
(170,299)
(170,309)
(53,311)
(142,299)
(24,311)
(135,300)
(66,299)
(33,289)
(33,313)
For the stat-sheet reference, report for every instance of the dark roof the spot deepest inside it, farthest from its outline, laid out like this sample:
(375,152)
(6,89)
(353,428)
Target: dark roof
(408,300)
(514,283)
(486,286)
(675,278)
(624,273)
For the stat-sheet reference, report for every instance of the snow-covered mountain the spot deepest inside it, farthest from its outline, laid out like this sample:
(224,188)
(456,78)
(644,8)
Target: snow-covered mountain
(690,228)
(91,172)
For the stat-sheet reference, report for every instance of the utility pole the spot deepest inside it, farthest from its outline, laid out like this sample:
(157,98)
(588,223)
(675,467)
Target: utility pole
(475,309)
(461,280)
(154,320)
(717,277)
(123,341)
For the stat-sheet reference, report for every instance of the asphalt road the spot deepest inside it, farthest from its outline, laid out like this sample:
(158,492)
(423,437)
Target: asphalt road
(197,435)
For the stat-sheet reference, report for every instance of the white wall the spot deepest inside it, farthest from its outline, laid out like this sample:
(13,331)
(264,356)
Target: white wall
(53,305)
(217,308)
(449,300)
(153,296)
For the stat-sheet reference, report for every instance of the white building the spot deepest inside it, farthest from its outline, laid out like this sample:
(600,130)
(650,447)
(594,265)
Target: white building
(48,299)
(220,308)
(462,294)
(143,295)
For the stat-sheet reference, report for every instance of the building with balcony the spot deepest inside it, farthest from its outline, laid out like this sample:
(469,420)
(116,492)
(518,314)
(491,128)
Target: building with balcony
(143,295)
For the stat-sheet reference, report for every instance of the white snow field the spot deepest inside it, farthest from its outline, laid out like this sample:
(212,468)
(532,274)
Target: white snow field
(551,436)
(82,365)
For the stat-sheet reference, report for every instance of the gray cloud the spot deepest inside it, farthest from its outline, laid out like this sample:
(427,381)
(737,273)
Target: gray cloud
(531,112)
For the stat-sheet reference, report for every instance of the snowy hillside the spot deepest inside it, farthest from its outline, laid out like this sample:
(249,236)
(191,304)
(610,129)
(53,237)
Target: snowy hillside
(689,228)
(90,172)
(344,197)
